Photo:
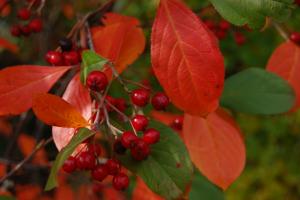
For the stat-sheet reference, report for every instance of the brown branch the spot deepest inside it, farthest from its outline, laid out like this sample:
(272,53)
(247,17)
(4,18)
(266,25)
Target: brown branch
(40,145)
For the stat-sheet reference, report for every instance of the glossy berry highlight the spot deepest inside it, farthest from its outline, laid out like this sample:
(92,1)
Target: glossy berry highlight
(54,58)
(140,97)
(139,122)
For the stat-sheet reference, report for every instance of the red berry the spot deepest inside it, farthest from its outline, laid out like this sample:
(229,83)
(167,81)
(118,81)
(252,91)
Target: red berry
(97,81)
(297,2)
(36,25)
(160,101)
(24,14)
(112,101)
(54,57)
(94,149)
(85,160)
(69,165)
(221,34)
(100,172)
(239,38)
(128,138)
(140,97)
(177,123)
(121,104)
(295,37)
(151,136)
(26,30)
(15,30)
(113,166)
(224,25)
(139,122)
(119,148)
(140,150)
(210,24)
(71,57)
(120,181)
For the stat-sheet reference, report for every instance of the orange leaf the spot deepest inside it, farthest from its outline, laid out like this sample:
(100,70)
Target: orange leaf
(28,192)
(119,40)
(186,59)
(142,192)
(55,111)
(8,45)
(215,146)
(285,62)
(5,126)
(19,83)
(79,97)
(27,144)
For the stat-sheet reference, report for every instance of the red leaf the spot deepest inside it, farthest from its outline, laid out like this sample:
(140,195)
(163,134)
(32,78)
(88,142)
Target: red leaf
(55,111)
(119,40)
(79,97)
(142,192)
(285,62)
(186,59)
(19,83)
(215,146)
(8,45)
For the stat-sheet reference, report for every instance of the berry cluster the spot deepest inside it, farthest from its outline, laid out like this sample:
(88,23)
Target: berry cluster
(35,25)
(89,160)
(67,56)
(141,97)
(221,30)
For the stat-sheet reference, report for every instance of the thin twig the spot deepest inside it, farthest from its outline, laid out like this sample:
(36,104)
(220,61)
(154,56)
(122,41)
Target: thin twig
(136,83)
(281,30)
(40,145)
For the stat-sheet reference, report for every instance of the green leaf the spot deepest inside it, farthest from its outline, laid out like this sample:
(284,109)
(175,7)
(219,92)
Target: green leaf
(253,12)
(203,189)
(168,169)
(257,91)
(91,61)
(63,155)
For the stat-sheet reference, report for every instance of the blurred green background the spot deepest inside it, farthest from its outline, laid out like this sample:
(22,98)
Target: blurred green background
(273,142)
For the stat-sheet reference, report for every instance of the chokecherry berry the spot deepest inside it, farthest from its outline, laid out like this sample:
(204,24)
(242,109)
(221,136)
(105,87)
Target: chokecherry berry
(97,81)
(128,138)
(15,30)
(71,57)
(24,14)
(54,58)
(120,181)
(85,160)
(297,2)
(36,25)
(140,97)
(139,122)
(26,30)
(151,136)
(295,37)
(100,172)
(160,101)
(119,148)
(69,165)
(224,25)
(94,149)
(239,38)
(113,166)
(66,44)
(140,150)
(111,101)
(177,123)
(121,104)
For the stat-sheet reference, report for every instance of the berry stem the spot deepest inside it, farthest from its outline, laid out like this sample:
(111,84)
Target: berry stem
(281,30)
